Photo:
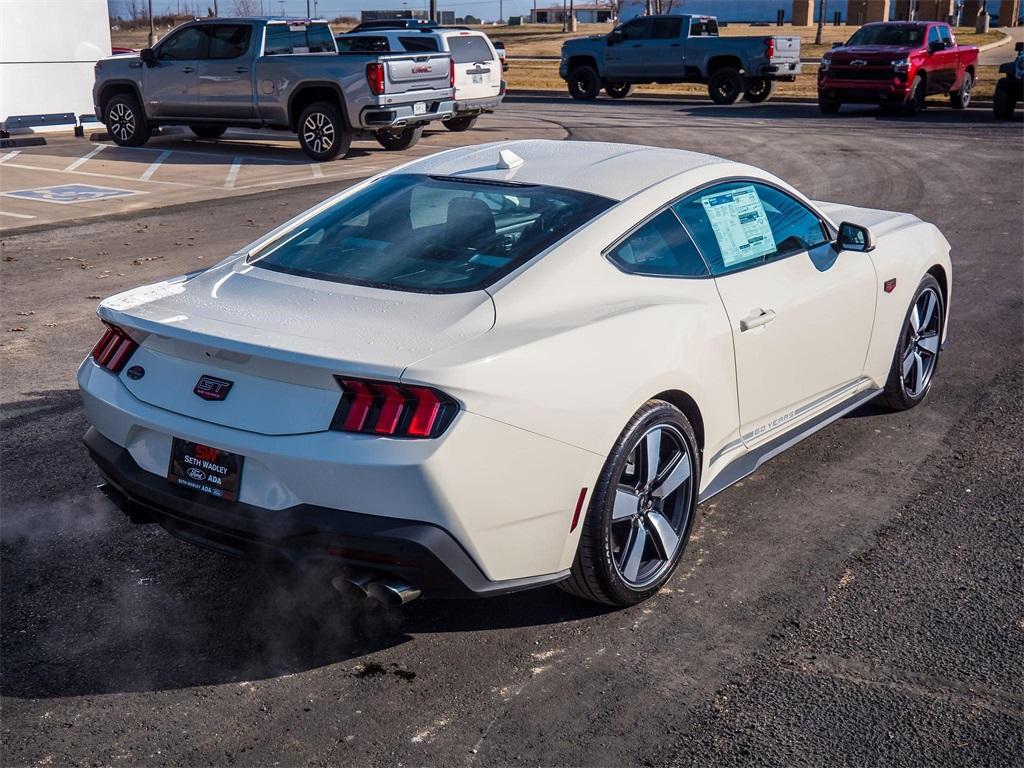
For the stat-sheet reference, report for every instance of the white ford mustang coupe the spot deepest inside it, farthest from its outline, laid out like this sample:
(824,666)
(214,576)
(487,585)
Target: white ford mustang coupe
(507,365)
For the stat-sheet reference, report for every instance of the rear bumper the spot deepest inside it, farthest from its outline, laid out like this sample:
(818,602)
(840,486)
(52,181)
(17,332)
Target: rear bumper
(476,106)
(780,70)
(316,538)
(398,115)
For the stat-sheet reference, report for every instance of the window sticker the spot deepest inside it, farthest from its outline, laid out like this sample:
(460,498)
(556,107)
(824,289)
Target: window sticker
(740,225)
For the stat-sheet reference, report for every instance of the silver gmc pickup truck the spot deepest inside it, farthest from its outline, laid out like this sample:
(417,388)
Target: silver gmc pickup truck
(678,49)
(285,74)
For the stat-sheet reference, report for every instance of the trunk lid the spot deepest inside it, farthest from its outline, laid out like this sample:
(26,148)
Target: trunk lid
(279,339)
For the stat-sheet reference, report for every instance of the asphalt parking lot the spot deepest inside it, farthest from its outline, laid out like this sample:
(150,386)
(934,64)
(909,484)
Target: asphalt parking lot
(857,601)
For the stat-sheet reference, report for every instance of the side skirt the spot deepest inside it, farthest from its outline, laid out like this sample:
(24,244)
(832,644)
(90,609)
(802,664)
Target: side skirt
(747,463)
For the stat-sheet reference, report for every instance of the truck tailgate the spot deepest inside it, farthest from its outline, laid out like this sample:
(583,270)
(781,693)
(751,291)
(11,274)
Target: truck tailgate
(787,49)
(416,72)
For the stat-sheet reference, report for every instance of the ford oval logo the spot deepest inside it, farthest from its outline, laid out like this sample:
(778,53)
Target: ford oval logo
(196,474)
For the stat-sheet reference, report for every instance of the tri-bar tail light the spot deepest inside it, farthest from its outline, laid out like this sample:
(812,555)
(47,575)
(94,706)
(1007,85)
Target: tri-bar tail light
(114,348)
(391,409)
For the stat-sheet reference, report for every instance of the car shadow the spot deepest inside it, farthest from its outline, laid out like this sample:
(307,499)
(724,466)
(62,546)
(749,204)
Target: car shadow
(92,604)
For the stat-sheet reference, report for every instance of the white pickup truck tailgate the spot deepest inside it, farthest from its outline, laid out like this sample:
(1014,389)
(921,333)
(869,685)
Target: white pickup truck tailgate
(787,49)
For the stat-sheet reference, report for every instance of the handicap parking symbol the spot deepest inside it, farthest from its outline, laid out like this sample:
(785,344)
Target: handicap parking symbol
(64,194)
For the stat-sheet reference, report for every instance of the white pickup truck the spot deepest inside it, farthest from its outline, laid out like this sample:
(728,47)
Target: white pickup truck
(286,74)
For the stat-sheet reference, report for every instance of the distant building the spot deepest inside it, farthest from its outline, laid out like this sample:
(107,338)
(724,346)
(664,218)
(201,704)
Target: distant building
(585,14)
(405,13)
(446,17)
(733,10)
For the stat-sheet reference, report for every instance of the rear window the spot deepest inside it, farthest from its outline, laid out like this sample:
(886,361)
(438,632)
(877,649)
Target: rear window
(466,49)
(362,44)
(298,38)
(704,28)
(423,43)
(888,34)
(428,234)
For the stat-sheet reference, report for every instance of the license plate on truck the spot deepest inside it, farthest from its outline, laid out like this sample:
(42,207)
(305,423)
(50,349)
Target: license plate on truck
(205,469)
(419,108)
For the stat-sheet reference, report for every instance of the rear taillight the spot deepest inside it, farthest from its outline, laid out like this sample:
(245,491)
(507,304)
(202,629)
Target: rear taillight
(769,46)
(375,77)
(394,410)
(451,73)
(113,349)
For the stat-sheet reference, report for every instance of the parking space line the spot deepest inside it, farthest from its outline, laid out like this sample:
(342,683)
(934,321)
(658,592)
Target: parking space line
(85,158)
(229,181)
(16,215)
(9,155)
(99,175)
(318,172)
(155,165)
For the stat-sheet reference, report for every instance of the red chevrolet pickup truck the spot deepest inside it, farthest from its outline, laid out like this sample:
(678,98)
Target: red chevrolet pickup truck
(897,64)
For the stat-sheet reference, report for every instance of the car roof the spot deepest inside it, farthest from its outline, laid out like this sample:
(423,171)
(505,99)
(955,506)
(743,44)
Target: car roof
(615,171)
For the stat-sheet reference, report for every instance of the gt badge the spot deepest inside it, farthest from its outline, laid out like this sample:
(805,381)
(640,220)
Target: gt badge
(212,388)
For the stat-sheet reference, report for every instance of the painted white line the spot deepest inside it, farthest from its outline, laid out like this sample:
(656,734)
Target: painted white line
(16,215)
(86,157)
(105,175)
(155,164)
(229,181)
(318,172)
(9,155)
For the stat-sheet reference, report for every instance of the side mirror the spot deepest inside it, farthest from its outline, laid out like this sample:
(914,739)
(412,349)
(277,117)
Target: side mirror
(836,45)
(853,237)
(615,36)
(1019,47)
(147,57)
(935,46)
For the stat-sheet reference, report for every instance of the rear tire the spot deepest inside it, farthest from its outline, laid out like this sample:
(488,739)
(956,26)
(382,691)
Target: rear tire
(758,89)
(917,351)
(207,131)
(460,124)
(829,107)
(915,99)
(633,536)
(618,90)
(397,140)
(725,86)
(584,84)
(961,98)
(126,122)
(323,133)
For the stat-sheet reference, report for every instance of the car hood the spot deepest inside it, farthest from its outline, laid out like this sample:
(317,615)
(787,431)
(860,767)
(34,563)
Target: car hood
(869,52)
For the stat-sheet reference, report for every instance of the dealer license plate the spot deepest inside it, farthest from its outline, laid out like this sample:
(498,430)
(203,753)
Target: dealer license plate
(205,469)
(419,108)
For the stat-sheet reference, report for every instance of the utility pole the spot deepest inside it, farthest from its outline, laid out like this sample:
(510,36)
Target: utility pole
(152,32)
(565,18)
(309,11)
(821,22)
(433,10)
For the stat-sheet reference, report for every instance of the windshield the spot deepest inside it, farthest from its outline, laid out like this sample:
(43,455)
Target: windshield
(888,34)
(430,234)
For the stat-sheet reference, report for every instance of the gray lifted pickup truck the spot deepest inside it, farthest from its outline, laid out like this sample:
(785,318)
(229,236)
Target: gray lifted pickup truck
(284,74)
(678,49)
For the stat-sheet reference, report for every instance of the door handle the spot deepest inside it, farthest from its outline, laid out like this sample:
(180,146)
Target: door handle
(638,45)
(674,45)
(759,318)
(240,70)
(187,70)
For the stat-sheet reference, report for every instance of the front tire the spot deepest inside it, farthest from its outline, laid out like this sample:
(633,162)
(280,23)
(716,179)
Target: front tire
(915,99)
(961,98)
(323,133)
(207,131)
(460,124)
(397,140)
(1003,101)
(618,90)
(725,86)
(917,351)
(642,511)
(829,107)
(584,84)
(126,122)
(758,89)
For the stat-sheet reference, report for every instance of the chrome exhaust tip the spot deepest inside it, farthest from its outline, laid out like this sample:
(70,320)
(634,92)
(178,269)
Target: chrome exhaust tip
(387,590)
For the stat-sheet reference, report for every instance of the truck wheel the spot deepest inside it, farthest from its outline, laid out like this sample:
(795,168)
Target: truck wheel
(323,134)
(961,98)
(207,131)
(725,86)
(584,83)
(915,101)
(395,139)
(460,124)
(618,90)
(1003,102)
(758,89)
(829,107)
(126,122)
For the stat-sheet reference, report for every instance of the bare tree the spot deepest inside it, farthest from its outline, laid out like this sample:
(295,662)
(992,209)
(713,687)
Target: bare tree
(660,7)
(247,7)
(135,9)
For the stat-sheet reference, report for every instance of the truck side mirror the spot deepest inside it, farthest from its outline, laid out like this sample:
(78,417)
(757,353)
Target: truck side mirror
(615,36)
(836,45)
(1019,47)
(853,237)
(935,46)
(147,57)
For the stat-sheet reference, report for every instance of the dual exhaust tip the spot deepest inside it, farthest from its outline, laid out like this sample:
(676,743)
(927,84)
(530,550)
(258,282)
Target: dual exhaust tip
(387,590)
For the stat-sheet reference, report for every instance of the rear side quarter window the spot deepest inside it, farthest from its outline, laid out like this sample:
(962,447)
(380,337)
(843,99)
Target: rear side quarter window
(659,248)
(467,49)
(421,44)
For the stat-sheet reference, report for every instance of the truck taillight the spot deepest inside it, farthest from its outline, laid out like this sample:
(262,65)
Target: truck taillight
(769,47)
(451,73)
(113,349)
(391,409)
(375,77)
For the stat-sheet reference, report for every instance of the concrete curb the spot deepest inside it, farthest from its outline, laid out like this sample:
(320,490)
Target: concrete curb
(563,95)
